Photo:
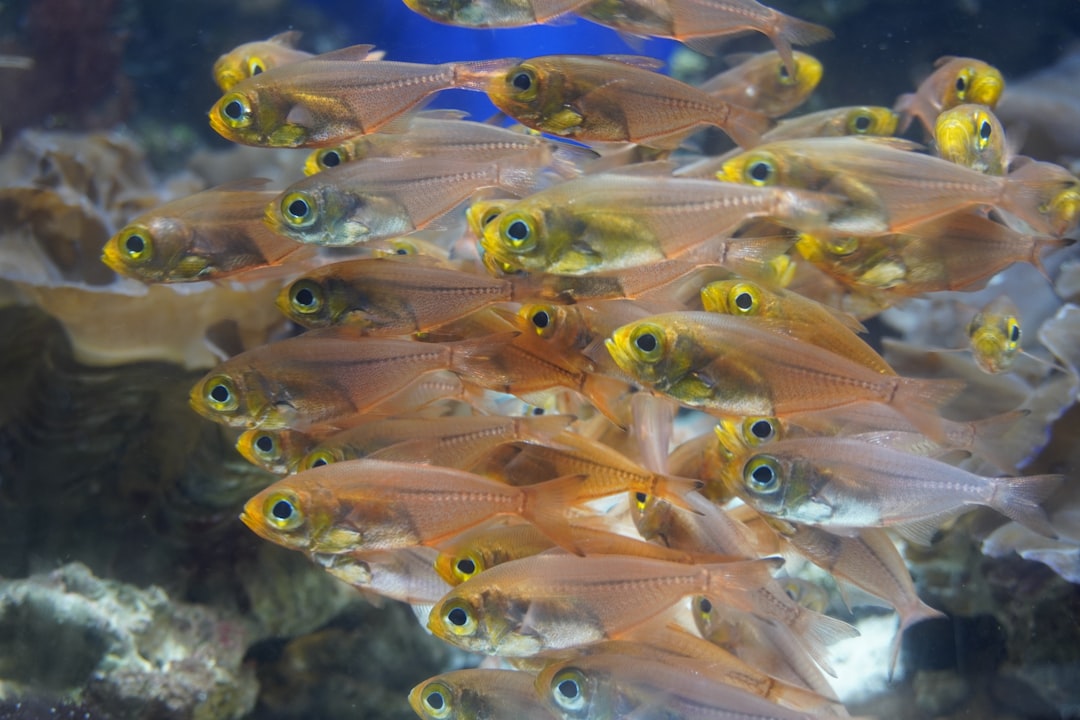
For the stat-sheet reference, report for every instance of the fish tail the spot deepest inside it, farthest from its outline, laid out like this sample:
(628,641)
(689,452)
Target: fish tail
(743,125)
(908,617)
(567,158)
(918,400)
(1018,498)
(988,440)
(547,10)
(479,74)
(743,576)
(675,489)
(1028,190)
(911,106)
(816,632)
(543,429)
(1039,244)
(546,506)
(480,361)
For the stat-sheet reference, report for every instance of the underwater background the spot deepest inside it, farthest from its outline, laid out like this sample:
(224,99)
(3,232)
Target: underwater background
(129,588)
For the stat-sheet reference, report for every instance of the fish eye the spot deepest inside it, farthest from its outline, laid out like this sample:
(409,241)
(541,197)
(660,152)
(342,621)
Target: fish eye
(236,111)
(963,79)
(786,78)
(646,341)
(220,394)
(298,209)
(757,431)
(537,411)
(860,124)
(761,474)
(541,319)
(641,501)
(306,297)
(985,131)
(568,689)
(265,446)
(435,699)
(466,567)
(517,231)
(842,246)
(318,458)
(760,172)
(744,299)
(282,510)
(330,158)
(705,606)
(255,66)
(136,244)
(458,618)
(523,81)
(1013,329)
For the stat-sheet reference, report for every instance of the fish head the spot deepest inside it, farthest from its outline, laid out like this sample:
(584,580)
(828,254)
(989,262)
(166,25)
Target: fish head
(255,112)
(734,297)
(995,340)
(972,136)
(327,158)
(222,397)
(531,92)
(870,120)
(784,488)
(277,451)
(467,13)
(457,567)
(1062,211)
(971,81)
(482,212)
(311,212)
(458,620)
(517,238)
(436,699)
(776,80)
(649,352)
(308,302)
(759,168)
(239,64)
(572,692)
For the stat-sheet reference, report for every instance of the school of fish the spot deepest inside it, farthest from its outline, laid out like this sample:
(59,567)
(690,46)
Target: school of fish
(501,324)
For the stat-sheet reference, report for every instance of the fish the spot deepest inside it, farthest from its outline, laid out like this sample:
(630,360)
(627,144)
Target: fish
(478,694)
(844,482)
(325,376)
(792,314)
(436,133)
(890,187)
(700,23)
(450,441)
(402,574)
(613,99)
(994,335)
(551,602)
(617,221)
(278,451)
(329,98)
(257,57)
(955,81)
(361,505)
(377,200)
(494,13)
(728,365)
(768,83)
(972,136)
(210,235)
(597,686)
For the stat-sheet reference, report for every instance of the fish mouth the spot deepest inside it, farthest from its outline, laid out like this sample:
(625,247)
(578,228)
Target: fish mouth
(620,356)
(110,256)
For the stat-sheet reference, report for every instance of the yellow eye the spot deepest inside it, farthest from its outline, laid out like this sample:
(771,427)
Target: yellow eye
(759,171)
(255,66)
(541,318)
(298,209)
(282,510)
(518,231)
(459,618)
(784,76)
(962,82)
(744,299)
(522,83)
(985,130)
(220,394)
(761,475)
(842,246)
(1012,333)
(759,430)
(136,244)
(318,458)
(641,501)
(647,342)
(467,566)
(568,690)
(490,215)
(306,297)
(235,110)
(704,608)
(435,699)
(329,158)
(860,123)
(264,446)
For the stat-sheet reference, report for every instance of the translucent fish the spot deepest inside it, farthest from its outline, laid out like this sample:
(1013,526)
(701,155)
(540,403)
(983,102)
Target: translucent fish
(360,505)
(842,482)
(731,366)
(792,314)
(444,132)
(700,23)
(326,99)
(478,694)
(257,57)
(402,574)
(494,13)
(324,376)
(550,602)
(277,451)
(889,187)
(381,199)
(213,234)
(972,136)
(613,99)
(614,221)
(955,80)
(765,83)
